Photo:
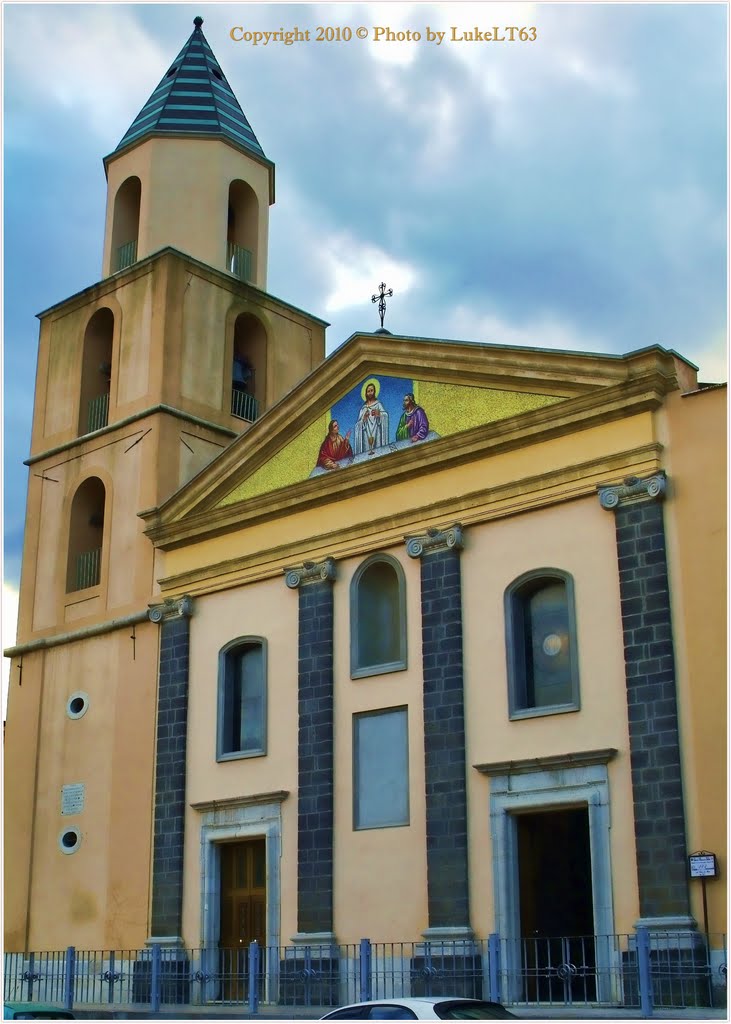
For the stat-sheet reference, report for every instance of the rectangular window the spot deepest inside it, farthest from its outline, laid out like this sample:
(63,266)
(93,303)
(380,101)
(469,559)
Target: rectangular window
(381,769)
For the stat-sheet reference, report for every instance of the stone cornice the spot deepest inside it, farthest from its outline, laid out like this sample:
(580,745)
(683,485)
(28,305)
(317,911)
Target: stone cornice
(276,796)
(148,264)
(483,505)
(631,490)
(435,540)
(172,608)
(151,410)
(310,572)
(180,521)
(552,761)
(74,635)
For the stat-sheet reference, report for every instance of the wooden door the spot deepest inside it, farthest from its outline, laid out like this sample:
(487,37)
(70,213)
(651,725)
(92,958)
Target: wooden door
(243,911)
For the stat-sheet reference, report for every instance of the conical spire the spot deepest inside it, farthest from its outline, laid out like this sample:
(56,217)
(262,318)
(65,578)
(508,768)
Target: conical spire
(194,98)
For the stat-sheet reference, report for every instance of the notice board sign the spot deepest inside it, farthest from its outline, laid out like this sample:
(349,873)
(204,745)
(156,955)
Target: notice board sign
(703,865)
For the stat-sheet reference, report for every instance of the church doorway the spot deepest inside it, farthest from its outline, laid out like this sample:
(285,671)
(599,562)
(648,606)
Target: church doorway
(243,911)
(556,903)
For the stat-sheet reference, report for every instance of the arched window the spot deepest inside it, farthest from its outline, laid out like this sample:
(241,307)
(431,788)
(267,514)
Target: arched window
(243,223)
(126,224)
(378,618)
(248,372)
(86,536)
(96,372)
(242,699)
(543,672)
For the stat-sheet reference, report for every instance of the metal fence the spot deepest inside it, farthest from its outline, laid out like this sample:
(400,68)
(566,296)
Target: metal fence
(88,569)
(98,413)
(240,261)
(244,405)
(126,255)
(643,971)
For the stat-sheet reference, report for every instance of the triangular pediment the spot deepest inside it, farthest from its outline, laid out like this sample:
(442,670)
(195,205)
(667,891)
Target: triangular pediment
(384,406)
(380,416)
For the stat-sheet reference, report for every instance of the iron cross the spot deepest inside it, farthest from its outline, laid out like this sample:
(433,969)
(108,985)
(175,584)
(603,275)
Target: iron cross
(381,300)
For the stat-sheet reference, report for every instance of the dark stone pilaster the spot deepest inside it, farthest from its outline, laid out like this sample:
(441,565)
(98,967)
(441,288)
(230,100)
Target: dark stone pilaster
(172,727)
(444,735)
(652,711)
(315,751)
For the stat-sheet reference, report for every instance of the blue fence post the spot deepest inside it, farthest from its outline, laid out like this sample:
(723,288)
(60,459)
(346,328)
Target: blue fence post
(68,978)
(643,971)
(111,978)
(365,970)
(253,976)
(30,975)
(155,978)
(493,963)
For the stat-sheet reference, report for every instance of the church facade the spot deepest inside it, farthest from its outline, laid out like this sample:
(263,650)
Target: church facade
(423,641)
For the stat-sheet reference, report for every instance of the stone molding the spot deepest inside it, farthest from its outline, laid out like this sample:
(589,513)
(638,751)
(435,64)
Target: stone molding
(550,763)
(172,608)
(458,935)
(227,803)
(310,572)
(632,489)
(314,939)
(435,540)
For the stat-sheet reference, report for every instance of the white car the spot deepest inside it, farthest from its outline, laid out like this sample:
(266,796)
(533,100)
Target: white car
(422,1008)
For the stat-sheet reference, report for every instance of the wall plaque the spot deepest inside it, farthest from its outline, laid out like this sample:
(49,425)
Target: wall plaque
(72,798)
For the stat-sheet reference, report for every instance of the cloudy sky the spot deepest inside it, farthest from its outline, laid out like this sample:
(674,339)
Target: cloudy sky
(565,191)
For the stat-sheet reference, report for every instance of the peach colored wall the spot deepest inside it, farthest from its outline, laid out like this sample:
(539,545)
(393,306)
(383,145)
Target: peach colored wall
(380,873)
(696,524)
(127,556)
(269,610)
(20,751)
(99,894)
(200,171)
(578,538)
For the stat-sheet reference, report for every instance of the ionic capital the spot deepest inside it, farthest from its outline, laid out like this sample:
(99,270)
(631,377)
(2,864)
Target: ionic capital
(310,572)
(172,608)
(435,540)
(633,489)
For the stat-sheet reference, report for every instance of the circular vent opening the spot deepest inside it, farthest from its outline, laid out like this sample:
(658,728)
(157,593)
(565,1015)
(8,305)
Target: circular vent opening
(77,705)
(69,840)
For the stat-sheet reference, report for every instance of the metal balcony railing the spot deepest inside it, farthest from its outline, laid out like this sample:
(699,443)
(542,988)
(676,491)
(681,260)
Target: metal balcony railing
(244,406)
(126,255)
(88,569)
(98,413)
(240,262)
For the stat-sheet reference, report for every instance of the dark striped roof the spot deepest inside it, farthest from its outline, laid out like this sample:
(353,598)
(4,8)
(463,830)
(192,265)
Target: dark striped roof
(194,98)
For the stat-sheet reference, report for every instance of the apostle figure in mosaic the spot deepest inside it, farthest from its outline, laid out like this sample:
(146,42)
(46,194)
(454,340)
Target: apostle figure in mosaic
(371,430)
(414,423)
(334,448)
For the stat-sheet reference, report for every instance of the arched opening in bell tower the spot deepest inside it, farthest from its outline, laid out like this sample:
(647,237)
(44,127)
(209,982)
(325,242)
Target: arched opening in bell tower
(96,372)
(86,535)
(248,377)
(126,224)
(241,238)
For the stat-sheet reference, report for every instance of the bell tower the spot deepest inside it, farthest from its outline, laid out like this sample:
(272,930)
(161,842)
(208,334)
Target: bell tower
(191,131)
(142,379)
